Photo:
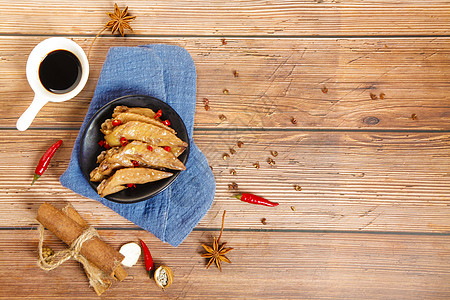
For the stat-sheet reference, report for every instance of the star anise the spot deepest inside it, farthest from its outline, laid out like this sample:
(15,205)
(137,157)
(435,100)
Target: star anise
(215,253)
(119,22)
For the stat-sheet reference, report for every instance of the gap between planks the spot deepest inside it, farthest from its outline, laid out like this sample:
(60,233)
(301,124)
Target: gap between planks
(406,233)
(230,36)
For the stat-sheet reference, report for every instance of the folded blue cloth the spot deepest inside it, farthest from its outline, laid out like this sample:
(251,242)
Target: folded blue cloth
(167,73)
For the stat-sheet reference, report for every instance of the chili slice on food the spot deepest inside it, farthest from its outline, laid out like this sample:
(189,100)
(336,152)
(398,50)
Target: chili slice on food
(158,114)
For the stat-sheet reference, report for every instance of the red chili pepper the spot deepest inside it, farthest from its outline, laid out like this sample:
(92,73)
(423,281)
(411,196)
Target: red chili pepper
(45,160)
(135,163)
(158,114)
(116,122)
(123,141)
(106,145)
(166,122)
(149,266)
(250,198)
(167,148)
(150,148)
(101,143)
(131,185)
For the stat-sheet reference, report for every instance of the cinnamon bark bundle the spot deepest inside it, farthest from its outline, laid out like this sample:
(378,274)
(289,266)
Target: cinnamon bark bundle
(101,262)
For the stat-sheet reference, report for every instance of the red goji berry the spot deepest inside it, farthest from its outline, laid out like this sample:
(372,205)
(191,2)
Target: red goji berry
(150,148)
(135,163)
(101,143)
(106,145)
(167,148)
(131,185)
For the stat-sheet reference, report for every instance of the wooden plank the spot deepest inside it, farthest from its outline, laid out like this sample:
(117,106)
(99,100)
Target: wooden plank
(377,181)
(238,17)
(278,79)
(264,266)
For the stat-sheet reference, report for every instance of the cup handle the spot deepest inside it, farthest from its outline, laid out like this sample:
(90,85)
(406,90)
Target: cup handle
(28,116)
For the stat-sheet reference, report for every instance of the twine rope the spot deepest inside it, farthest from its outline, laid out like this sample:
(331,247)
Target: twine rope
(62,256)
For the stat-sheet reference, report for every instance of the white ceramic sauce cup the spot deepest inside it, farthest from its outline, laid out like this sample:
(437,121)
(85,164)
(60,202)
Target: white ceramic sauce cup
(42,95)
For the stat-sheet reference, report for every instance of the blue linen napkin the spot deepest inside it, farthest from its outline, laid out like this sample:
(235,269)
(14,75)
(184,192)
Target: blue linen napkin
(167,73)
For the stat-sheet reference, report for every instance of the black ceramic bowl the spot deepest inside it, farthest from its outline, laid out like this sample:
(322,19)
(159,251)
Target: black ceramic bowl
(90,149)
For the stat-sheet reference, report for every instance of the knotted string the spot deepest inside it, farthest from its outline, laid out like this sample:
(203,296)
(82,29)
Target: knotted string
(72,252)
(96,276)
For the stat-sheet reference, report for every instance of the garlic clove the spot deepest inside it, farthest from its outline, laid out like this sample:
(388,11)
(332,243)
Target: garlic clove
(163,276)
(131,251)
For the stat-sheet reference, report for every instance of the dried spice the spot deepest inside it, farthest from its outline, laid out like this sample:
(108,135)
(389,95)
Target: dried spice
(270,161)
(414,116)
(119,22)
(324,90)
(256,165)
(254,199)
(206,103)
(47,253)
(163,276)
(225,156)
(297,187)
(222,117)
(382,95)
(263,221)
(293,120)
(240,144)
(226,92)
(373,96)
(274,153)
(292,208)
(233,186)
(236,73)
(232,151)
(45,160)
(217,253)
(224,41)
(233,172)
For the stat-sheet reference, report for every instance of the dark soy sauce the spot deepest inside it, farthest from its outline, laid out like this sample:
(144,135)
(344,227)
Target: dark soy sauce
(60,71)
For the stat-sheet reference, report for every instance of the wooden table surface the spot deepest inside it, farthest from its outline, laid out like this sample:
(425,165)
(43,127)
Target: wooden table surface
(372,220)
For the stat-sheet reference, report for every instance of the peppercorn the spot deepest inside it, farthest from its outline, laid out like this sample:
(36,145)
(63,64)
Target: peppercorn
(270,161)
(47,252)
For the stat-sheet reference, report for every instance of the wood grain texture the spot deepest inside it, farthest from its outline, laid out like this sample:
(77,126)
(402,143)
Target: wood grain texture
(271,265)
(372,218)
(237,17)
(278,79)
(351,181)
